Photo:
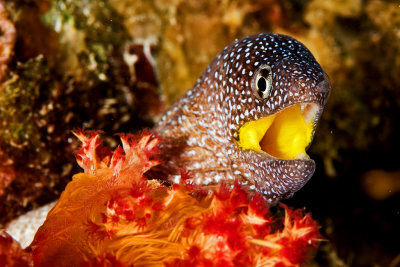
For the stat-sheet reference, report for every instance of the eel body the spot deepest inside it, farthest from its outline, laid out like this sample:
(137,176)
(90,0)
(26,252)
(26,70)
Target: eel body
(249,117)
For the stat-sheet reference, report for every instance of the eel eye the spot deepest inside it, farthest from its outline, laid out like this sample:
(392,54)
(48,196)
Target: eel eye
(263,82)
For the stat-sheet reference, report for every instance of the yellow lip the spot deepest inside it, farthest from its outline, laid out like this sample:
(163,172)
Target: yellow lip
(284,135)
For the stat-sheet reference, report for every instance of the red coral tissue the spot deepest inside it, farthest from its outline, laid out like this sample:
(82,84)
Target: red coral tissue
(110,215)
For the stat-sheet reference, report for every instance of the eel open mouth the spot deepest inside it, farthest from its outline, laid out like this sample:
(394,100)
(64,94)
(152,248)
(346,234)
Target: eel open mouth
(284,135)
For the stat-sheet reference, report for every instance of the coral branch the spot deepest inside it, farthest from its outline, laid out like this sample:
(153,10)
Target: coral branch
(112,214)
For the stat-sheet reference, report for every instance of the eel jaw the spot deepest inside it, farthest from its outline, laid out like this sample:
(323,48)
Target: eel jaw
(285,135)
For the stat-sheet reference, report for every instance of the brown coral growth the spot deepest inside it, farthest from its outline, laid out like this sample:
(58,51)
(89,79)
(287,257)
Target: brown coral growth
(7,40)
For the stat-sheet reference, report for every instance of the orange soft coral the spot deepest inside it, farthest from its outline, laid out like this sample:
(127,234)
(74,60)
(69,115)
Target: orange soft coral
(111,215)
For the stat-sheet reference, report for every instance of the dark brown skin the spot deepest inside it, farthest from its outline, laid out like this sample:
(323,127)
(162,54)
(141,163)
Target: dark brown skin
(200,130)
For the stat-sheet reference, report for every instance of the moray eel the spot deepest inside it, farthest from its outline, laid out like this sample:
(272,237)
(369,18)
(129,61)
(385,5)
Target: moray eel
(250,117)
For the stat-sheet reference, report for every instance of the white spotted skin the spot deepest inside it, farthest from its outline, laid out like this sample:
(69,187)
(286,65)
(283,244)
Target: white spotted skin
(203,122)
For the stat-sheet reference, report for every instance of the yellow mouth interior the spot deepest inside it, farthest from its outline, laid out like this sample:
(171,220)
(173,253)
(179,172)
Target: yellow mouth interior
(285,135)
